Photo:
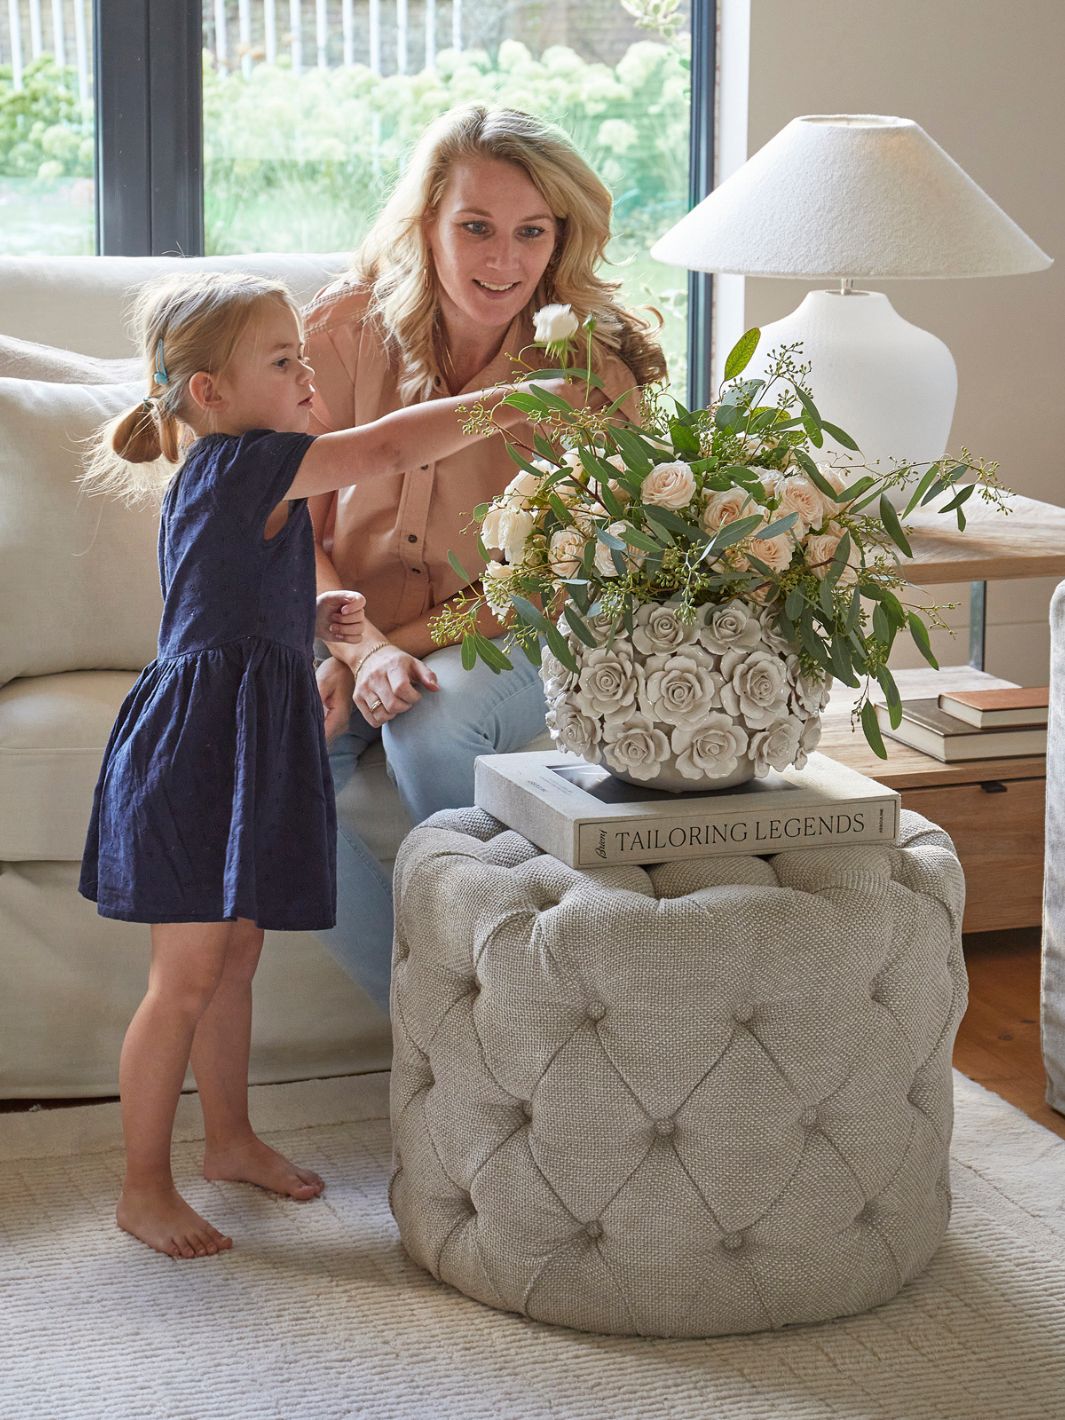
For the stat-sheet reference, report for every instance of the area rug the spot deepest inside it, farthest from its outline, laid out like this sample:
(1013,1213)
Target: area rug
(318,1315)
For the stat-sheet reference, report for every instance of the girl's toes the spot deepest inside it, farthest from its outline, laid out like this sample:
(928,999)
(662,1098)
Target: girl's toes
(309,1176)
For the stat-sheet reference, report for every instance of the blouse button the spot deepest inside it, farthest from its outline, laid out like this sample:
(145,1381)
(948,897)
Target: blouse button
(417,571)
(412,537)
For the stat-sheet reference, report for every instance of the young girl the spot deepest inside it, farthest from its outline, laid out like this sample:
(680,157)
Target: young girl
(214,818)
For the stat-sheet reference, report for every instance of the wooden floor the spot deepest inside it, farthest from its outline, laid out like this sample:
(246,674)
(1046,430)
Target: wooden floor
(998,1043)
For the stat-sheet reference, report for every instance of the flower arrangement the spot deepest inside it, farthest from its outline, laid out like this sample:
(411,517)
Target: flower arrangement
(691,580)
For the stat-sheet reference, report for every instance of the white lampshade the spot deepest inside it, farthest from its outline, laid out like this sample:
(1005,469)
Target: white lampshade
(850,195)
(846,196)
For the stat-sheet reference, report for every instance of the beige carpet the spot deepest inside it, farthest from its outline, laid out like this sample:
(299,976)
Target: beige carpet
(318,1315)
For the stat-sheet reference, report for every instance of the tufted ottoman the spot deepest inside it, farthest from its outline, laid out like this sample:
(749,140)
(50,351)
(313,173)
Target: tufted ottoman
(713,1096)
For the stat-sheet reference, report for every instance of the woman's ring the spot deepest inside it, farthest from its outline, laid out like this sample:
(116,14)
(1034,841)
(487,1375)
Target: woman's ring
(374,706)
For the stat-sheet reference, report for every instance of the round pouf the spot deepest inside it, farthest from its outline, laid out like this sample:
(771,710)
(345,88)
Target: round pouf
(709,1097)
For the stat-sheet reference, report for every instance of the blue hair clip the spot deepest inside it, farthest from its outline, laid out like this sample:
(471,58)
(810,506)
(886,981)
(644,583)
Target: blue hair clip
(161,376)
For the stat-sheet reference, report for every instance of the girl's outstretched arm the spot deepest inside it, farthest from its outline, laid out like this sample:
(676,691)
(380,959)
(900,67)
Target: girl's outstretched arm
(421,434)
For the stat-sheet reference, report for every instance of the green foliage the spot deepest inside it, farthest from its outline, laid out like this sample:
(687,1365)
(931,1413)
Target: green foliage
(699,508)
(45,130)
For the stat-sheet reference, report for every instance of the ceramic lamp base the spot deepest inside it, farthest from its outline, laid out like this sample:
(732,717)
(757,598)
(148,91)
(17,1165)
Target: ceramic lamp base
(889,384)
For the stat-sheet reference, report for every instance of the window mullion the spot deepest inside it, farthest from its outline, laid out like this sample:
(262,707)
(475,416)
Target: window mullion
(700,183)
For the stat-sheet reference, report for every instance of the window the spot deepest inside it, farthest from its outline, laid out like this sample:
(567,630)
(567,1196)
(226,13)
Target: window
(309,109)
(47,161)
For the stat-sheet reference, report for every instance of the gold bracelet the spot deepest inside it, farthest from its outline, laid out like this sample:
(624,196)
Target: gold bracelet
(377,646)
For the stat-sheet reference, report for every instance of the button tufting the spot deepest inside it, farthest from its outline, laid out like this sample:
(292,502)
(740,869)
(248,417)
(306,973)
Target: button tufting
(665,1126)
(526,1108)
(402,951)
(809,1117)
(594,1229)
(743,1014)
(732,1241)
(596,1010)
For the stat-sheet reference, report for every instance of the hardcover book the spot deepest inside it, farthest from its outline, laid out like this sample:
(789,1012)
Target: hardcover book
(926,727)
(581,814)
(1026,705)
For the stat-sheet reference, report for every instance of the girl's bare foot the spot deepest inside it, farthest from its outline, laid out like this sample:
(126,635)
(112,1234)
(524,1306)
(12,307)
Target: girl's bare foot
(251,1161)
(160,1217)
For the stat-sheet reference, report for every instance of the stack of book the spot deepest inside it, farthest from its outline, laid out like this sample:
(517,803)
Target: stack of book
(974,724)
(582,815)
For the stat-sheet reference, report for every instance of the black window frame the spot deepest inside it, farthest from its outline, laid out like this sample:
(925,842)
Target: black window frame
(149,141)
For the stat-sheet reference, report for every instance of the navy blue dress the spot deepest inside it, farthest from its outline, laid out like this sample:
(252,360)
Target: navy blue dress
(215,799)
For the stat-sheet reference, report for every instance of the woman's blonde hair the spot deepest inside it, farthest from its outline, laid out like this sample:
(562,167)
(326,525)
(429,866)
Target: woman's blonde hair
(395,262)
(182,324)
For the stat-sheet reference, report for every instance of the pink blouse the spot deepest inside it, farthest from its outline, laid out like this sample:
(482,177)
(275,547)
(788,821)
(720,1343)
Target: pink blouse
(389,537)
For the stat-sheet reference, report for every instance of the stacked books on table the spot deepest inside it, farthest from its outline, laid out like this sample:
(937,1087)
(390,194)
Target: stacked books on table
(582,815)
(974,724)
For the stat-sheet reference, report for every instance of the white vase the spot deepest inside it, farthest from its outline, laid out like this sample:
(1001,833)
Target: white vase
(685,707)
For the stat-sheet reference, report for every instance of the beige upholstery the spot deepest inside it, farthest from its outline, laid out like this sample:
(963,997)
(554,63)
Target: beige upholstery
(80,606)
(1053,983)
(709,1097)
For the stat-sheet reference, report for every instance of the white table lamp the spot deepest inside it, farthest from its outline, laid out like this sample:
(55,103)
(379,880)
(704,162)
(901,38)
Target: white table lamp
(849,196)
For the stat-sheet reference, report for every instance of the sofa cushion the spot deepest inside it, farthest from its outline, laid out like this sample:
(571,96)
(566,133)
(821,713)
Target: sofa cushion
(82,302)
(26,360)
(53,730)
(78,578)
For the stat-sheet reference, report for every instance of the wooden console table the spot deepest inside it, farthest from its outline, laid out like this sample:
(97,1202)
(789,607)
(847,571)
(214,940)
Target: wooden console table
(993,809)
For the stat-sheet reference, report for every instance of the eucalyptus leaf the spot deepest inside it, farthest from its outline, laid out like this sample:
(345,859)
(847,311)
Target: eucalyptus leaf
(739,357)
(890,519)
(459,570)
(919,632)
(840,435)
(871,729)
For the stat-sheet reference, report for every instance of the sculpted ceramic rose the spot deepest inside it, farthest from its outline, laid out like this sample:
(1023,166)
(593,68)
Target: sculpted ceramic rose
(669,485)
(634,746)
(730,627)
(609,682)
(656,627)
(575,731)
(681,687)
(709,750)
(776,746)
(755,688)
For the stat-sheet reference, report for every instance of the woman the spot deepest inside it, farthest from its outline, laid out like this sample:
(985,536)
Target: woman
(496,216)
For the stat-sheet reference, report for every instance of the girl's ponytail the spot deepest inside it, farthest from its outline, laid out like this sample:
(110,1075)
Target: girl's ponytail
(184,324)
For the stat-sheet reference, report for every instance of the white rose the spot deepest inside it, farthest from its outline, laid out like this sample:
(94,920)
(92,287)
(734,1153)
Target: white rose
(565,551)
(554,324)
(630,556)
(517,524)
(776,746)
(820,549)
(796,494)
(494,580)
(656,627)
(775,552)
(756,687)
(575,731)
(492,524)
(711,749)
(609,682)
(634,746)
(727,507)
(669,485)
(524,485)
(683,689)
(731,626)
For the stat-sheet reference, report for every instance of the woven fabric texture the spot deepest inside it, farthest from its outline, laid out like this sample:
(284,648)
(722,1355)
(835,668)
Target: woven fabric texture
(709,1097)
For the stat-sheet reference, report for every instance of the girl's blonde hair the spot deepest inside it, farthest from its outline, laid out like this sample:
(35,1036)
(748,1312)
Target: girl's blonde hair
(395,262)
(183,324)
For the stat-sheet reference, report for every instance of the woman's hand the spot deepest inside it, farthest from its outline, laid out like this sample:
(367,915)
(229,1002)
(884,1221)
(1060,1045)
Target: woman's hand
(386,684)
(336,685)
(340,616)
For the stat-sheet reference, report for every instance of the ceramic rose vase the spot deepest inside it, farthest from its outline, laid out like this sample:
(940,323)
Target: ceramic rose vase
(686,707)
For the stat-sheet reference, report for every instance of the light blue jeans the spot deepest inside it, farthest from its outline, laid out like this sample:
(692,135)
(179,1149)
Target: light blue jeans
(430,750)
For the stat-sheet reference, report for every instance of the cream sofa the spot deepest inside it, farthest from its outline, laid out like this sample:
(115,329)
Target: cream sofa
(79,608)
